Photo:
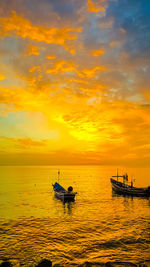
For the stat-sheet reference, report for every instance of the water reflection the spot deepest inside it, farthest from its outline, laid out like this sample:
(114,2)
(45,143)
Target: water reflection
(115,195)
(68,206)
(65,206)
(126,196)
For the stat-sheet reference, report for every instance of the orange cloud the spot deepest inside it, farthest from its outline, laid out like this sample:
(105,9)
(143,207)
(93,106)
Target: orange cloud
(103,126)
(2,77)
(19,144)
(62,66)
(97,53)
(7,95)
(19,26)
(28,142)
(93,8)
(33,68)
(147,95)
(20,99)
(91,71)
(33,50)
(51,57)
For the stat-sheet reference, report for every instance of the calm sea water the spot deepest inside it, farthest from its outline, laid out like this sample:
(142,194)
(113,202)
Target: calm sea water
(97,227)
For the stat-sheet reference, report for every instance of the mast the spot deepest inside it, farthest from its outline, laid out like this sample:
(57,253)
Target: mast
(58,175)
(125,177)
(117,175)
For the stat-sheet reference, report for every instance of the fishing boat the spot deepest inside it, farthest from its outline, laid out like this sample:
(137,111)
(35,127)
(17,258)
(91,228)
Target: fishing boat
(128,189)
(64,194)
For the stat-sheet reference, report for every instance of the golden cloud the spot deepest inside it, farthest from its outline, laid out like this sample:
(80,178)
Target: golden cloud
(147,95)
(19,26)
(98,128)
(93,8)
(62,66)
(21,99)
(2,77)
(33,50)
(89,73)
(97,53)
(19,144)
(7,95)
(93,126)
(33,68)
(28,142)
(51,57)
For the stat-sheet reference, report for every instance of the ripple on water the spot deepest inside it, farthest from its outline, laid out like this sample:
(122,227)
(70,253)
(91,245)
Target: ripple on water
(96,227)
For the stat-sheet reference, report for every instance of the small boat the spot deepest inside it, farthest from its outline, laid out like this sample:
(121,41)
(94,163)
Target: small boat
(63,194)
(125,189)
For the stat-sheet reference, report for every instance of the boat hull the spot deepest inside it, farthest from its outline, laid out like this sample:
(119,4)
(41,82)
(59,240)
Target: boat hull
(121,188)
(65,196)
(62,193)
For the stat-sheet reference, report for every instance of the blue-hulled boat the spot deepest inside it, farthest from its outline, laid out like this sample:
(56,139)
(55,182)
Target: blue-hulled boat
(64,194)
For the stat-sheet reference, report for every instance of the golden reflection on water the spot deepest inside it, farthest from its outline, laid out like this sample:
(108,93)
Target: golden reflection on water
(98,226)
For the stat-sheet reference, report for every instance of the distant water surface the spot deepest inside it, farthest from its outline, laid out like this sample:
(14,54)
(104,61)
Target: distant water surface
(97,227)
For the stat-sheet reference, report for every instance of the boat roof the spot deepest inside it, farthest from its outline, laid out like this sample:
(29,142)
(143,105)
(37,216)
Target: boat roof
(58,187)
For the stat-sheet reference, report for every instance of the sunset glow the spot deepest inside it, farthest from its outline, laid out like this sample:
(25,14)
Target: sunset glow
(74,82)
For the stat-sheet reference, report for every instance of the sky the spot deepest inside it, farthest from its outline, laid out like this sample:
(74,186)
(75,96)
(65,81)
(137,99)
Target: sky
(75,82)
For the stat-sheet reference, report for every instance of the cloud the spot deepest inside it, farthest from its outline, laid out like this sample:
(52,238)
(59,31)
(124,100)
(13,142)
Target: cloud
(20,144)
(33,50)
(19,26)
(104,128)
(98,52)
(34,68)
(51,57)
(28,142)
(91,97)
(21,99)
(60,157)
(90,72)
(2,77)
(62,66)
(93,8)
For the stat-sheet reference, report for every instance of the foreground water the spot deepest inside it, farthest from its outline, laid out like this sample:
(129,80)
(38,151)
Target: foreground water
(97,227)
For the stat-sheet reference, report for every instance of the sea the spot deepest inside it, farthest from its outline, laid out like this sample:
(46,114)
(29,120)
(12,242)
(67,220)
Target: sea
(98,226)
